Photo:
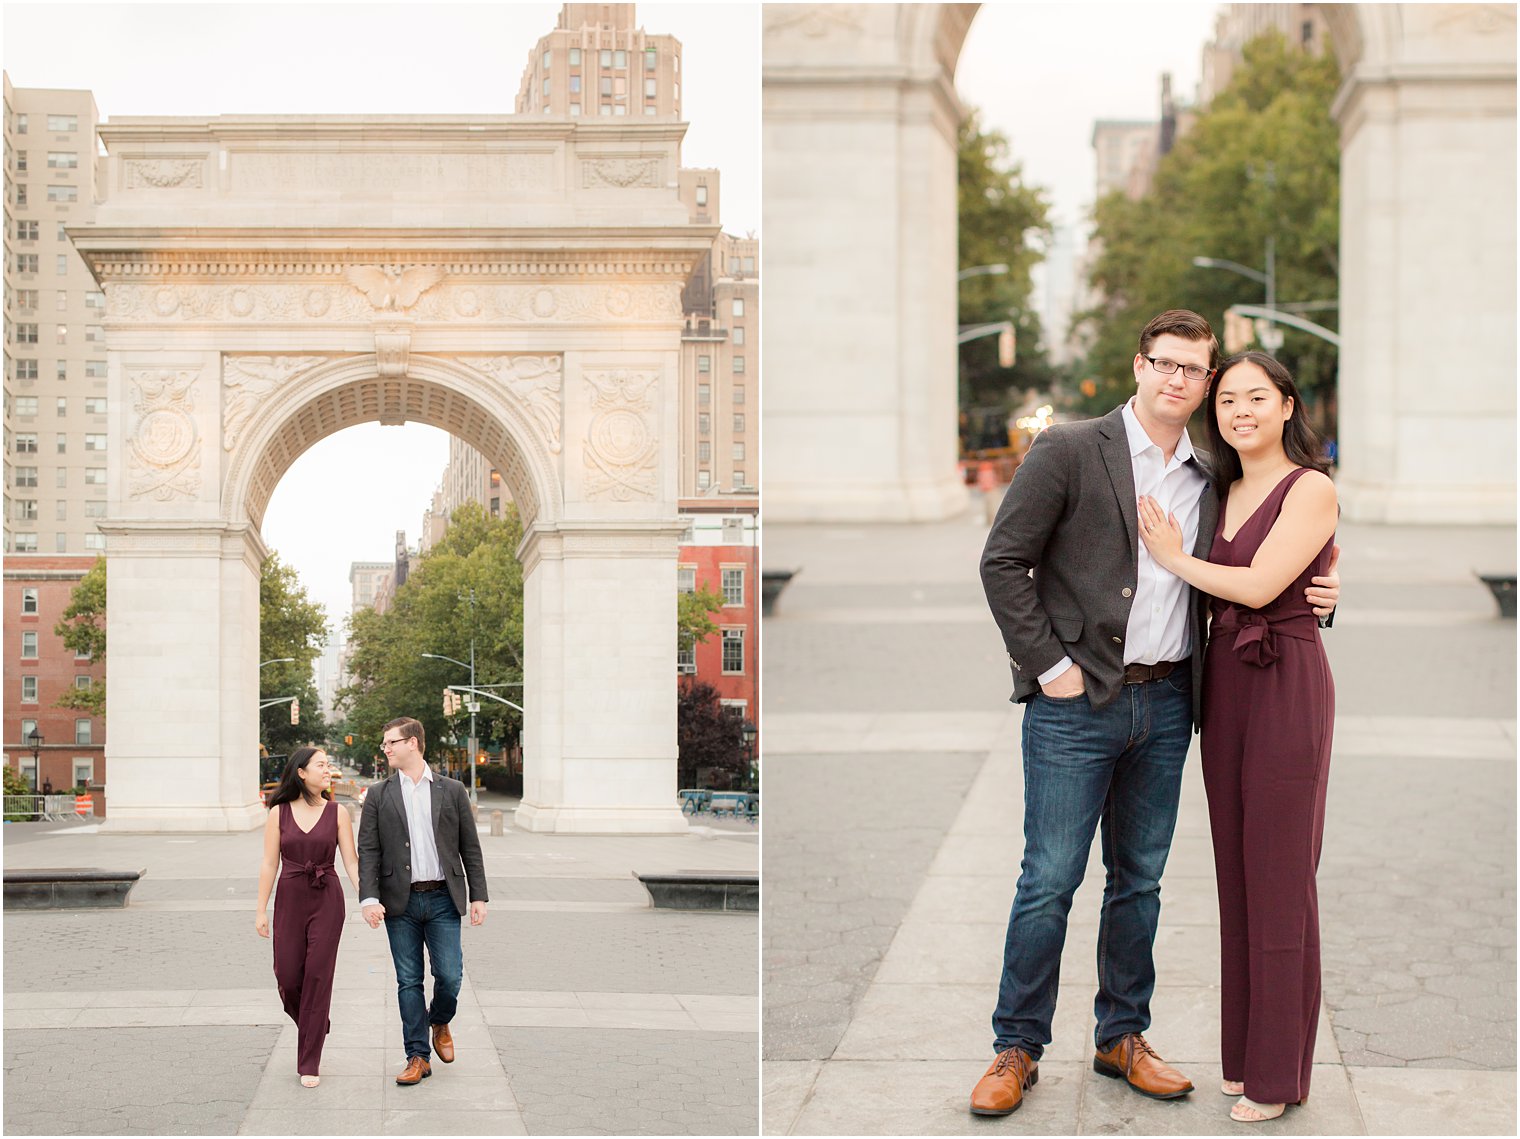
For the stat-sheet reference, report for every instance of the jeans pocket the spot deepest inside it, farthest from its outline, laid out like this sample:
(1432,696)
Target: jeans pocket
(1180,680)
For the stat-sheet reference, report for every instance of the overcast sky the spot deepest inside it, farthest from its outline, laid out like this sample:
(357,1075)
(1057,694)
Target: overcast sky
(344,500)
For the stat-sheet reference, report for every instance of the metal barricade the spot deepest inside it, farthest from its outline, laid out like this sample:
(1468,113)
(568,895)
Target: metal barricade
(23,808)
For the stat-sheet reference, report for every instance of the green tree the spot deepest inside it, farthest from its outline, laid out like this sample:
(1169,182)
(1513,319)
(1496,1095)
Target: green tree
(433,613)
(1263,160)
(1003,220)
(82,627)
(290,625)
(694,623)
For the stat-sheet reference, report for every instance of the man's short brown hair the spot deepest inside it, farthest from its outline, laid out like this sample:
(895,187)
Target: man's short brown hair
(1180,322)
(409,728)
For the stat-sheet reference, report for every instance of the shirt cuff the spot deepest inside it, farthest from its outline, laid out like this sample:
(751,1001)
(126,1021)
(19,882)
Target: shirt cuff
(1055,670)
(368,902)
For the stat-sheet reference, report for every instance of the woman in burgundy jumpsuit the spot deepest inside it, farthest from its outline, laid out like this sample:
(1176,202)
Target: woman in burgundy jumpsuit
(305,830)
(1268,713)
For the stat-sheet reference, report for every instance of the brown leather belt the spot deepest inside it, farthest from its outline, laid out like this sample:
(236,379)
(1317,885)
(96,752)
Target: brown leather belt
(1143,673)
(424,887)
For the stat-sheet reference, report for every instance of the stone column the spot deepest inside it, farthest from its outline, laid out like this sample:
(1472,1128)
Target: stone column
(860,215)
(1427,369)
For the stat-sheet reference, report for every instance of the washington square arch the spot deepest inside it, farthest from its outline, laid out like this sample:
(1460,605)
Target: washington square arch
(860,118)
(272,280)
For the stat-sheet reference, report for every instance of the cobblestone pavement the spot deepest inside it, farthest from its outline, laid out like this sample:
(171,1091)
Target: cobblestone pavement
(162,1018)
(882,657)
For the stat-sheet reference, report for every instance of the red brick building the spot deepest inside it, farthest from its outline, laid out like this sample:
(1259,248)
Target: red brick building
(721,552)
(39,669)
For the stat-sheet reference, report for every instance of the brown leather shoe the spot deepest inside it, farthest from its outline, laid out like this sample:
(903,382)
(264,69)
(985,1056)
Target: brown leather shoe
(417,1070)
(1136,1062)
(443,1043)
(1001,1089)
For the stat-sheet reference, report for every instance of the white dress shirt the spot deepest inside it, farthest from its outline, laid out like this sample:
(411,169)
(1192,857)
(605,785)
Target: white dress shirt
(1158,618)
(417,799)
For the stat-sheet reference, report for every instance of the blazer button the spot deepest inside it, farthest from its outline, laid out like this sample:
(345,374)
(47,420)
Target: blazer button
(1118,640)
(1127,591)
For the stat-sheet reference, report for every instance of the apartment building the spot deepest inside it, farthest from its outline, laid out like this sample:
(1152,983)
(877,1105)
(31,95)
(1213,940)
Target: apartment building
(597,61)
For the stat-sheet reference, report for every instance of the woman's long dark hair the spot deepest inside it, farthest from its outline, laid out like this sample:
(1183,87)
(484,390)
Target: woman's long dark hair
(291,788)
(1300,441)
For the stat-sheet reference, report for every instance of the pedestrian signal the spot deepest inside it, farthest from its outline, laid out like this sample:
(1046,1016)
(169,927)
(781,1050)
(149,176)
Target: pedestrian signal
(1007,347)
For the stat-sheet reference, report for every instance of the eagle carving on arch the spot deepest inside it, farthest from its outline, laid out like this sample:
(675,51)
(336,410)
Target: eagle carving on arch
(393,292)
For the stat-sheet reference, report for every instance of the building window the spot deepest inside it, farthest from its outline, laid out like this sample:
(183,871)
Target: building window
(620,109)
(62,370)
(83,683)
(686,579)
(94,476)
(733,651)
(63,443)
(28,638)
(738,478)
(63,193)
(62,265)
(26,231)
(575,84)
(738,424)
(29,690)
(606,57)
(28,728)
(95,369)
(26,476)
(21,193)
(704,423)
(739,452)
(62,232)
(26,405)
(82,731)
(26,262)
(94,405)
(701,195)
(26,544)
(84,772)
(26,369)
(29,600)
(704,395)
(95,300)
(649,88)
(620,58)
(95,541)
(63,160)
(25,510)
(95,442)
(63,407)
(704,480)
(651,59)
(20,124)
(738,365)
(61,514)
(738,306)
(575,57)
(704,364)
(546,86)
(733,531)
(650,109)
(63,122)
(94,334)
(749,264)
(704,452)
(61,477)
(738,336)
(733,586)
(607,85)
(605,109)
(26,298)
(26,443)
(575,108)
(61,332)
(686,658)
(96,508)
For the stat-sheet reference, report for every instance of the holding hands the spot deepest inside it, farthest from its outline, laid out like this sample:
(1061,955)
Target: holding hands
(1161,533)
(373,914)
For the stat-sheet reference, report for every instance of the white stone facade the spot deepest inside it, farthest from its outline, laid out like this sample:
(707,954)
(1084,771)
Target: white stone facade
(272,281)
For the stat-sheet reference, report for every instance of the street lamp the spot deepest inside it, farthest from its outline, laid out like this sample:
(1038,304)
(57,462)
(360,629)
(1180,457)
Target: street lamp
(277,660)
(474,702)
(982,271)
(35,742)
(1271,336)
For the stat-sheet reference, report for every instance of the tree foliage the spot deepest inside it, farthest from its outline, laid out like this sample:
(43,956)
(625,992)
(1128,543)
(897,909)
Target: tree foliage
(1263,159)
(694,623)
(433,613)
(710,738)
(290,625)
(82,627)
(1003,220)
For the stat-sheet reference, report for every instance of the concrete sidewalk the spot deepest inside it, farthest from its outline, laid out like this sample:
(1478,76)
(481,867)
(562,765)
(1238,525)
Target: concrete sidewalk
(894,802)
(583,1011)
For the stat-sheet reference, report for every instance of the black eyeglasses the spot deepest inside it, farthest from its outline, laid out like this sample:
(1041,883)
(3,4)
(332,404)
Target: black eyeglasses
(1168,367)
(384,744)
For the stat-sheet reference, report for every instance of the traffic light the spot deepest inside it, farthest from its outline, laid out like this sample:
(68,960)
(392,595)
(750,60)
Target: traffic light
(295,711)
(1007,347)
(348,741)
(450,702)
(1238,332)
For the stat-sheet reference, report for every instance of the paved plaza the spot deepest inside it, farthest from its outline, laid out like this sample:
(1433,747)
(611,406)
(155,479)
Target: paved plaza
(894,834)
(584,1011)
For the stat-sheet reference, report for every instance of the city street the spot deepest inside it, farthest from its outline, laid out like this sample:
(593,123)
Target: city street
(894,801)
(583,1011)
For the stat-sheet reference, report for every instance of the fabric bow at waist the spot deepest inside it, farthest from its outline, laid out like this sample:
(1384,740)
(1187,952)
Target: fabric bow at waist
(317,873)
(1256,632)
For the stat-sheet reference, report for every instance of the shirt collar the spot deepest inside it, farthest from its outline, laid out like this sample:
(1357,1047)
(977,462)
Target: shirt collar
(427,776)
(1139,441)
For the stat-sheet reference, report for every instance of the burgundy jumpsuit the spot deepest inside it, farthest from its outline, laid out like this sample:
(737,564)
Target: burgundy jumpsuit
(308,924)
(1269,707)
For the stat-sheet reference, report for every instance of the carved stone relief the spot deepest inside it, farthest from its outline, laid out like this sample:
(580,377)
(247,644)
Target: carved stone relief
(391,290)
(815,21)
(164,448)
(249,380)
(163,173)
(648,301)
(622,173)
(621,443)
(537,381)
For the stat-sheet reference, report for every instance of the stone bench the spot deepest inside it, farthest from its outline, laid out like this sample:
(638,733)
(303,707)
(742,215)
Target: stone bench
(68,889)
(703,890)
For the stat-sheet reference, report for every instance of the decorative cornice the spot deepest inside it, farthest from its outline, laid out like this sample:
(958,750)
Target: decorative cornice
(638,265)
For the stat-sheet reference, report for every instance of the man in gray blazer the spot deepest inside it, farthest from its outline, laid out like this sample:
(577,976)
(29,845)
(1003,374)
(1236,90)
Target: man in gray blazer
(418,853)
(1107,655)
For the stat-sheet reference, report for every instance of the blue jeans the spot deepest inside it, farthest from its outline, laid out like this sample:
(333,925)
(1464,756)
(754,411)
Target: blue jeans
(430,918)
(1120,768)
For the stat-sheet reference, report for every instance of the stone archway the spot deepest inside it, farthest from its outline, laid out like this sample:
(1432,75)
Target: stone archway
(859,139)
(270,282)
